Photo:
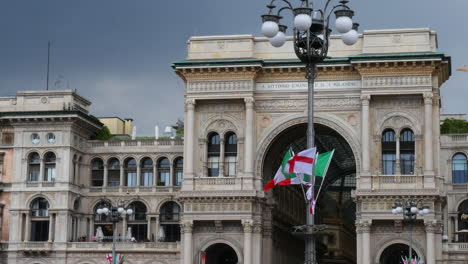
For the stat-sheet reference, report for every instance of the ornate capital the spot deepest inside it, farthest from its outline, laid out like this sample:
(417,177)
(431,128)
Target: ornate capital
(427,98)
(248,226)
(363,227)
(186,227)
(431,227)
(257,227)
(249,102)
(190,104)
(365,99)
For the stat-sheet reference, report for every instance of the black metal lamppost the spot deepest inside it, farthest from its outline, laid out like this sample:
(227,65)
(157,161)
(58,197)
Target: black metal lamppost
(114,214)
(410,210)
(311,41)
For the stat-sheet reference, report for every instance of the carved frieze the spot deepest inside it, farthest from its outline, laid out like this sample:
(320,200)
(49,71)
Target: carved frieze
(291,105)
(219,86)
(424,80)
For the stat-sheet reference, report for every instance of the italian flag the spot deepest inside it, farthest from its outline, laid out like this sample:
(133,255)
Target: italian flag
(285,177)
(283,173)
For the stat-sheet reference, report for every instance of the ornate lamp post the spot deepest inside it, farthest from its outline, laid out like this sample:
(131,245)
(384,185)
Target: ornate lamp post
(410,210)
(311,41)
(115,214)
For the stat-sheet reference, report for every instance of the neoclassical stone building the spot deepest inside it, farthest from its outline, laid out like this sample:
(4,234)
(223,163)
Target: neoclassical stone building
(377,104)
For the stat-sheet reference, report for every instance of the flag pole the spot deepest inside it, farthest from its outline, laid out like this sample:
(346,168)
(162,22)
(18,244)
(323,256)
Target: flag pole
(303,192)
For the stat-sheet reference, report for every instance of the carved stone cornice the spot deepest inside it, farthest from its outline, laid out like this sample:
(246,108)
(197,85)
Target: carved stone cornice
(404,81)
(220,86)
(218,73)
(396,67)
(298,74)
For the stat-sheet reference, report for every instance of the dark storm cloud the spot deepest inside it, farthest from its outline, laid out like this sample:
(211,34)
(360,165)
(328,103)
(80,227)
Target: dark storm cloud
(118,52)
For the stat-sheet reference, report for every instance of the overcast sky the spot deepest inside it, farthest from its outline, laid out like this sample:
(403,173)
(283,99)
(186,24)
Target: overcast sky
(118,53)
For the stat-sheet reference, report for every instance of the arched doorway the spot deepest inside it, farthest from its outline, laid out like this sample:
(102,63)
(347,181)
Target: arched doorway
(221,254)
(335,207)
(394,254)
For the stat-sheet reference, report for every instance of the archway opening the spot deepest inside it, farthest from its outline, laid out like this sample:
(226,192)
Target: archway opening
(335,207)
(395,253)
(221,254)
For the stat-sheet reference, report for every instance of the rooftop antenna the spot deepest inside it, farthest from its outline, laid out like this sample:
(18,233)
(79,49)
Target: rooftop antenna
(48,64)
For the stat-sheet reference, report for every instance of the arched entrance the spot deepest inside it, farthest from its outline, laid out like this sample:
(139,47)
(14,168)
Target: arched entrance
(335,207)
(221,254)
(394,254)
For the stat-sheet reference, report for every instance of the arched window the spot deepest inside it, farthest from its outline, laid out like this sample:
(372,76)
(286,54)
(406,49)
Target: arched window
(459,169)
(230,156)
(130,172)
(213,155)
(97,172)
(164,167)
(388,152)
(49,166)
(147,172)
(102,223)
(39,220)
(34,167)
(178,171)
(407,152)
(137,221)
(169,218)
(463,221)
(113,173)
(75,167)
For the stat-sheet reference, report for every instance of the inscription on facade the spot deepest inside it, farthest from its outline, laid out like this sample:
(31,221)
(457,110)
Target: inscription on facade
(320,85)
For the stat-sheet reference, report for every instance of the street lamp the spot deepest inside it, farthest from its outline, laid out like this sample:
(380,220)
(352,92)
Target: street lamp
(410,210)
(114,214)
(311,41)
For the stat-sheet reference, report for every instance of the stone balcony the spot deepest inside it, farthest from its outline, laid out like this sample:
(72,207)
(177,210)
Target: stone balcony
(162,143)
(453,140)
(395,182)
(135,189)
(217,183)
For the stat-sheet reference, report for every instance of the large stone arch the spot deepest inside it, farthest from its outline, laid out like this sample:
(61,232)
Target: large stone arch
(390,241)
(225,240)
(333,122)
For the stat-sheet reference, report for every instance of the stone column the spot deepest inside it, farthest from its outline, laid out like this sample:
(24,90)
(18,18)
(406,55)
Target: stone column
(148,232)
(190,140)
(247,242)
(366,252)
(365,134)
(91,228)
(41,172)
(156,230)
(124,228)
(187,228)
(359,245)
(257,241)
(221,157)
(397,163)
(155,174)
(249,137)
(430,243)
(171,173)
(456,229)
(51,228)
(428,140)
(77,173)
(138,174)
(106,173)
(27,228)
(122,175)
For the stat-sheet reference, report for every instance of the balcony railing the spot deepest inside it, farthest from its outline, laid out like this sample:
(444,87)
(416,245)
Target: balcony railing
(216,183)
(463,247)
(398,182)
(124,245)
(135,189)
(135,143)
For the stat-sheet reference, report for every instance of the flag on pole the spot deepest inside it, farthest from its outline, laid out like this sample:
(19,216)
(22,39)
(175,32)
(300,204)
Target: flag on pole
(119,259)
(282,173)
(310,197)
(303,162)
(322,163)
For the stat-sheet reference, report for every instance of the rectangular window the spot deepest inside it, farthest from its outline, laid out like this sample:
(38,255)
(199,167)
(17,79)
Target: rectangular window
(388,163)
(163,178)
(131,179)
(179,175)
(230,166)
(139,232)
(147,178)
(171,232)
(459,172)
(49,174)
(34,172)
(407,163)
(114,178)
(98,178)
(39,230)
(213,166)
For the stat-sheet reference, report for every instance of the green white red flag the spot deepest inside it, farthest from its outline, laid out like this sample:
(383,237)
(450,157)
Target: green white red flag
(283,172)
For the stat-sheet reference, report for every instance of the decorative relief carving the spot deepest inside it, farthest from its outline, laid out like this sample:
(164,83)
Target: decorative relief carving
(186,227)
(219,207)
(301,105)
(396,81)
(220,108)
(218,86)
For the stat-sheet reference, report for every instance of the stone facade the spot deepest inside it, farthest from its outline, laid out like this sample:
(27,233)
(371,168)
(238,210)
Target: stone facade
(244,103)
